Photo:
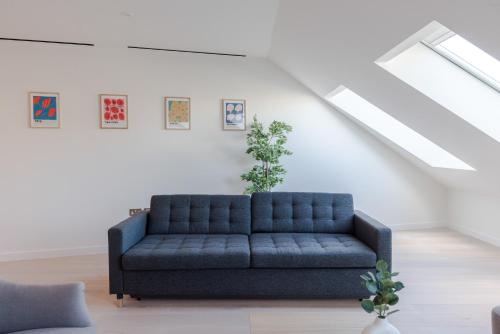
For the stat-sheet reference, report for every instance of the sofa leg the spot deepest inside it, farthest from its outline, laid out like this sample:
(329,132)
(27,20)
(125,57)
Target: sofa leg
(138,298)
(119,297)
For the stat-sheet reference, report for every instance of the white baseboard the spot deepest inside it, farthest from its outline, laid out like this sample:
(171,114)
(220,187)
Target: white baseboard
(51,253)
(417,226)
(480,236)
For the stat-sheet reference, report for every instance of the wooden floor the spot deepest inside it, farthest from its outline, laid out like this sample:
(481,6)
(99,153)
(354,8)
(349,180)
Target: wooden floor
(452,284)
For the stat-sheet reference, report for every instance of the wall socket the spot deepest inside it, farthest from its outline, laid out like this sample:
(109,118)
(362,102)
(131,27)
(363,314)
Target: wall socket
(132,212)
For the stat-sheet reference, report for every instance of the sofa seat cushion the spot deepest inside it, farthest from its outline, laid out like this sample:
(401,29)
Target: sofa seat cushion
(188,251)
(309,250)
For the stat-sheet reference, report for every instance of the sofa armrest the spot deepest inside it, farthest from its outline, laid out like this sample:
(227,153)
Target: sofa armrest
(374,234)
(120,238)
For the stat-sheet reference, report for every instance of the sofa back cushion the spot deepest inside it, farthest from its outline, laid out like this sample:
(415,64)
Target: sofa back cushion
(302,212)
(199,214)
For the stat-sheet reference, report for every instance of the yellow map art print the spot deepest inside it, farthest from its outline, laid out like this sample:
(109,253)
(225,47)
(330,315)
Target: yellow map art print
(177,113)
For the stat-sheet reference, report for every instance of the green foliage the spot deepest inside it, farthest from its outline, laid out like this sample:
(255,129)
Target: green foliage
(267,147)
(383,290)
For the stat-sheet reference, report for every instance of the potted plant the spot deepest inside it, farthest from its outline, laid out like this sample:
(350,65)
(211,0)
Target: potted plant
(267,147)
(383,296)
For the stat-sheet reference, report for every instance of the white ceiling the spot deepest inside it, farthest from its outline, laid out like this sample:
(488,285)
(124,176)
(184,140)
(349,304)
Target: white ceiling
(226,26)
(337,42)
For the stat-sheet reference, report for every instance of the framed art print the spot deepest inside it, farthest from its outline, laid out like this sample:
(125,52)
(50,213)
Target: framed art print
(233,114)
(44,110)
(177,113)
(113,111)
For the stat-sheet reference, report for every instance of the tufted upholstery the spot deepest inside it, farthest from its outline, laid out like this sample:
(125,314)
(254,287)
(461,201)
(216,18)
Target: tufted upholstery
(302,212)
(309,250)
(305,245)
(199,214)
(188,251)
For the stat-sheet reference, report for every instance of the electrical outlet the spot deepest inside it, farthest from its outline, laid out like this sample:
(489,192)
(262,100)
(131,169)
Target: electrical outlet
(132,212)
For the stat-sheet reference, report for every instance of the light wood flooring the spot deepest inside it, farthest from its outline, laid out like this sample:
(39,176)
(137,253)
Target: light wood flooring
(452,282)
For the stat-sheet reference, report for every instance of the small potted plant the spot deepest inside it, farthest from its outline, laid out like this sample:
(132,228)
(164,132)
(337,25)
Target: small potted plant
(382,297)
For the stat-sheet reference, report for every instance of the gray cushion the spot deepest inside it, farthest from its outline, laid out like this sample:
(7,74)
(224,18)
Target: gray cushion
(25,307)
(302,212)
(309,250)
(188,251)
(66,330)
(199,214)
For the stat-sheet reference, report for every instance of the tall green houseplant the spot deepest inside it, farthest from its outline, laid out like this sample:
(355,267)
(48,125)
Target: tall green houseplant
(267,147)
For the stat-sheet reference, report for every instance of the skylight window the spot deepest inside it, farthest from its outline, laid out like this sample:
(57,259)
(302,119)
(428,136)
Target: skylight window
(427,61)
(392,129)
(468,56)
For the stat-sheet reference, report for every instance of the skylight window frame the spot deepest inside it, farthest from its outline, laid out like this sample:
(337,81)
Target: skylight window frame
(456,59)
(393,130)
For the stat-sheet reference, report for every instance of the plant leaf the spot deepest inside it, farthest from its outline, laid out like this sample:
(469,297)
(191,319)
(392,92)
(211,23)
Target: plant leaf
(367,305)
(372,287)
(387,283)
(382,266)
(398,286)
(392,299)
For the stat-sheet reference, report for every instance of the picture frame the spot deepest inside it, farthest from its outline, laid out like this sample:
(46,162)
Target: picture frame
(45,110)
(113,111)
(177,113)
(234,114)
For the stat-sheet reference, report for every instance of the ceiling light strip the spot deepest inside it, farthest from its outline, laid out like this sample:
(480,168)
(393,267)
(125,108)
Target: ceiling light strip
(44,41)
(188,51)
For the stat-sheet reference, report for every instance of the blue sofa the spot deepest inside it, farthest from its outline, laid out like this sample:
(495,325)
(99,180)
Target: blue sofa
(269,245)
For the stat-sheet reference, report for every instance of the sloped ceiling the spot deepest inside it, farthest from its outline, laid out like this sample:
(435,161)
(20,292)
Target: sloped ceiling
(224,26)
(324,44)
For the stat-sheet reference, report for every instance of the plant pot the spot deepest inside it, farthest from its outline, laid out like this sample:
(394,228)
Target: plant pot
(380,326)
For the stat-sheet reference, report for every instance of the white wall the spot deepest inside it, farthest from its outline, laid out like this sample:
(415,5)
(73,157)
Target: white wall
(61,189)
(469,212)
(476,215)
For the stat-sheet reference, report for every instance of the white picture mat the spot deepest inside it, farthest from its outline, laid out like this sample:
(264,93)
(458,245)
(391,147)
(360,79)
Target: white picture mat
(229,126)
(113,124)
